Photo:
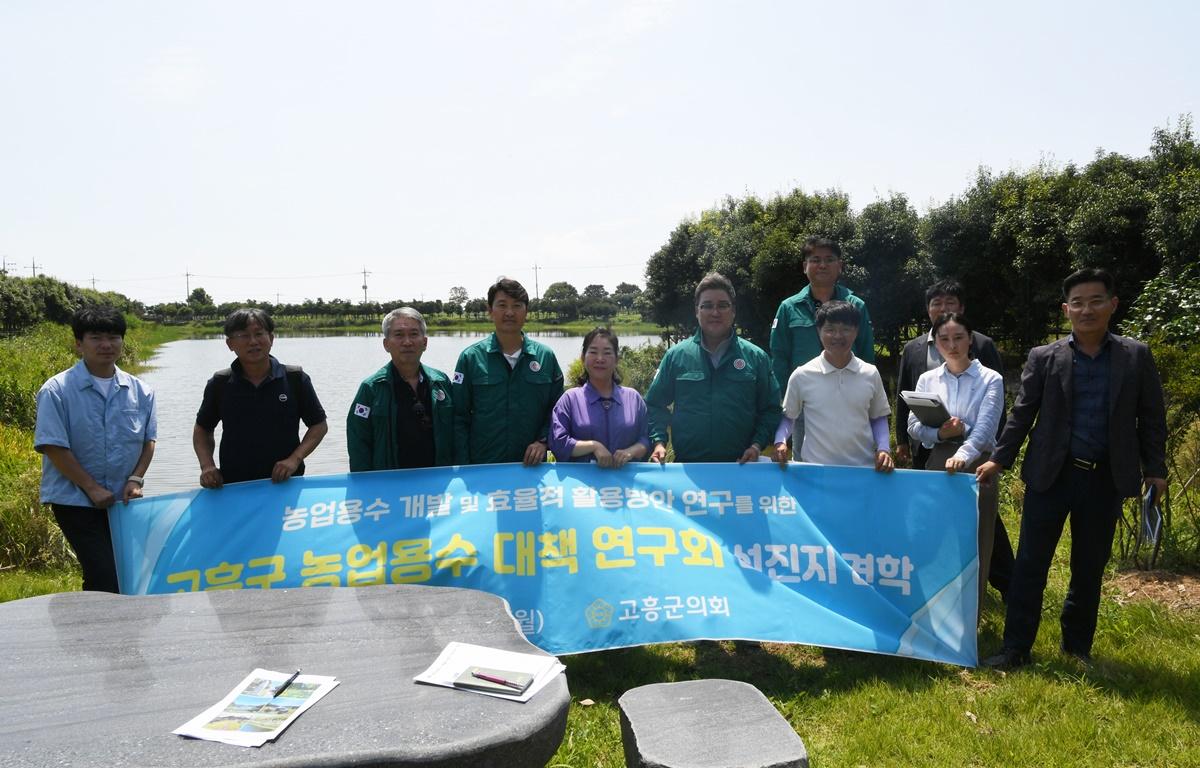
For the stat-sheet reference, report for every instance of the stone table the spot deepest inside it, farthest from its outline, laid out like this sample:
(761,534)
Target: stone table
(89,678)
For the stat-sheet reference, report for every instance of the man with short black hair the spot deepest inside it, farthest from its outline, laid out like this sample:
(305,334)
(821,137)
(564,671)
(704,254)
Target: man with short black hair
(95,429)
(260,403)
(402,416)
(504,387)
(1092,406)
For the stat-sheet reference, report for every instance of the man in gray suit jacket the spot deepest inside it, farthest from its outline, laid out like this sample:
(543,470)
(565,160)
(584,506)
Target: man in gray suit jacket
(1094,403)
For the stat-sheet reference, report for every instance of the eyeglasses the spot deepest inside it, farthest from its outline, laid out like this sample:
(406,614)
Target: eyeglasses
(1092,304)
(243,336)
(818,260)
(422,414)
(720,306)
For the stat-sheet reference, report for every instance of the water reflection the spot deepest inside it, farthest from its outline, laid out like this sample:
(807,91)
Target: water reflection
(336,362)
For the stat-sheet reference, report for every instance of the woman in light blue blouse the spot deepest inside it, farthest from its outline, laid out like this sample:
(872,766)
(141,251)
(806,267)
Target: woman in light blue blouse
(974,398)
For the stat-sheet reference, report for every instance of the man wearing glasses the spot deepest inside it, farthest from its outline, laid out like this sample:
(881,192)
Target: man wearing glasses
(259,402)
(402,416)
(794,339)
(726,402)
(1092,406)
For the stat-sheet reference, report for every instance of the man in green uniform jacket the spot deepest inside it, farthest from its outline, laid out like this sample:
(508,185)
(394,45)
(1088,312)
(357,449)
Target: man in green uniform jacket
(726,401)
(794,338)
(402,415)
(504,388)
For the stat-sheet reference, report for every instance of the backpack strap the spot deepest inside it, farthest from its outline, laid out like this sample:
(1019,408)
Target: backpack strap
(295,382)
(221,381)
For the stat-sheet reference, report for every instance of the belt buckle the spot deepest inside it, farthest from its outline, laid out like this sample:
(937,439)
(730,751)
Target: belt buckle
(1085,464)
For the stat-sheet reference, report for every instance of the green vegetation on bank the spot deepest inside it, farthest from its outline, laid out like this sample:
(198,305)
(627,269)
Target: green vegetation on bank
(29,537)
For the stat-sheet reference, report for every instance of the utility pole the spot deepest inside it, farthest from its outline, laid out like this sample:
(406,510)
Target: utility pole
(365,273)
(187,276)
(536,292)
(4,264)
(33,266)
(93,282)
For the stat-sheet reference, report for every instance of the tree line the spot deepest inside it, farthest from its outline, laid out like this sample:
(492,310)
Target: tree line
(561,302)
(1010,238)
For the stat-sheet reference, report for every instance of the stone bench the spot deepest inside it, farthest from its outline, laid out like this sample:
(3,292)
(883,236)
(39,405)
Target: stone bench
(706,724)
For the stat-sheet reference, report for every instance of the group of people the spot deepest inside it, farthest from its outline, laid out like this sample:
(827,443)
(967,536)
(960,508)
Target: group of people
(1091,405)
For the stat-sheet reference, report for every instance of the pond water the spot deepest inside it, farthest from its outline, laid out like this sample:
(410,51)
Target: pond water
(336,364)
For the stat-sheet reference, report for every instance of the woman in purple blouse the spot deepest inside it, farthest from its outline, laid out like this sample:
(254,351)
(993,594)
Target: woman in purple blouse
(600,420)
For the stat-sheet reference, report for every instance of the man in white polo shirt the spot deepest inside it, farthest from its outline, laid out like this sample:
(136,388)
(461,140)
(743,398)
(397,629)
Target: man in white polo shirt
(842,398)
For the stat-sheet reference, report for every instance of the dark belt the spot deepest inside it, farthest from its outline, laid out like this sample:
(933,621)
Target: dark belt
(1086,464)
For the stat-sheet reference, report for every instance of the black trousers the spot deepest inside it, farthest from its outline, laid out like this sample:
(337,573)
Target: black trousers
(86,530)
(1092,502)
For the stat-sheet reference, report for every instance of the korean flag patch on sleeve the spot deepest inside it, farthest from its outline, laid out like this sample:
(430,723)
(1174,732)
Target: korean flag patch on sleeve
(362,411)
(458,377)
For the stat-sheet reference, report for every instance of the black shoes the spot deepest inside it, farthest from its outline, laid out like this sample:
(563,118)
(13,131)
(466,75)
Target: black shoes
(1083,657)
(1007,659)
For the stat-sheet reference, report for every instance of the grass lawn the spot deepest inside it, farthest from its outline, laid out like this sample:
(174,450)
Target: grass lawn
(1138,705)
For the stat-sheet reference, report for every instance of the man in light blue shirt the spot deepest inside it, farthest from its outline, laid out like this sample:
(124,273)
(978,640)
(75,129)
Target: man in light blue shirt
(95,429)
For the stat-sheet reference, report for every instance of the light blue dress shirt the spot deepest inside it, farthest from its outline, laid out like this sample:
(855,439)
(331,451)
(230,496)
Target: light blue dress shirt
(105,435)
(976,397)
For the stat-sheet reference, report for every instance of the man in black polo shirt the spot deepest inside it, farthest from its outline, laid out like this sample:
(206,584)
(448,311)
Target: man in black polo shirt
(260,404)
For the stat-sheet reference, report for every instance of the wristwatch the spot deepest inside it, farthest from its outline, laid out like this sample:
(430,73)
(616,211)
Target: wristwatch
(136,479)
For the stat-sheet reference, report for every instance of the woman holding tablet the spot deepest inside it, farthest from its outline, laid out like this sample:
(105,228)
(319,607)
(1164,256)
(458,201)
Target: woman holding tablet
(974,398)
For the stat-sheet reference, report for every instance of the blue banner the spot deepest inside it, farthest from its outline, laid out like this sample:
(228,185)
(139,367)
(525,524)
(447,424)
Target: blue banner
(590,558)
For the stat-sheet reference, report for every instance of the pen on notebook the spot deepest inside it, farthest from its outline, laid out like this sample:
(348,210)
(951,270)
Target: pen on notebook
(286,683)
(496,680)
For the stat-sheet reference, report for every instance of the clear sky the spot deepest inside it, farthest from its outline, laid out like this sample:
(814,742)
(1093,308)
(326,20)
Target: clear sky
(279,148)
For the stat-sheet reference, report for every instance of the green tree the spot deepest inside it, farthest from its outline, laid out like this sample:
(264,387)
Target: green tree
(625,295)
(562,299)
(459,295)
(1175,217)
(1109,226)
(885,250)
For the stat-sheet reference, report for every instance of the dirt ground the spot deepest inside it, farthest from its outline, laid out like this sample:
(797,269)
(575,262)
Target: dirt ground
(1178,592)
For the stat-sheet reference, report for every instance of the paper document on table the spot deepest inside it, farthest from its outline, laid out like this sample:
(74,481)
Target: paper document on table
(257,710)
(457,659)
(1152,518)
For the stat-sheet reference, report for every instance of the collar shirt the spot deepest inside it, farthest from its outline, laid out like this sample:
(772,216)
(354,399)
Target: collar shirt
(105,433)
(259,422)
(838,405)
(1089,401)
(583,414)
(414,421)
(976,397)
(712,413)
(716,354)
(794,339)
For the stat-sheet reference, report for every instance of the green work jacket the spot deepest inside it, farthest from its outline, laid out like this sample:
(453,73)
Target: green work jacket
(794,339)
(718,412)
(371,423)
(499,411)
